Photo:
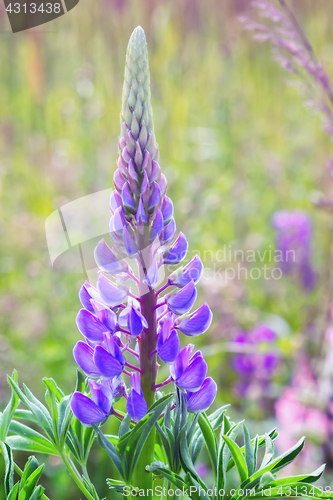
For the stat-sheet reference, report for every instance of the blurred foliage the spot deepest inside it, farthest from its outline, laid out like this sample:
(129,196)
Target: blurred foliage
(236,145)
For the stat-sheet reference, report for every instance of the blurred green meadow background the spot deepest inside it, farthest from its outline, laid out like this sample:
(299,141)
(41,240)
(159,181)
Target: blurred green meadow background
(236,144)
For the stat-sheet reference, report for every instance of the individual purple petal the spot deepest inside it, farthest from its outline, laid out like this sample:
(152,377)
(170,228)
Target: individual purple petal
(108,365)
(203,398)
(117,222)
(127,198)
(197,322)
(155,196)
(136,322)
(177,252)
(141,214)
(129,243)
(112,294)
(194,375)
(90,326)
(131,171)
(182,361)
(86,410)
(169,231)
(169,350)
(84,357)
(115,201)
(146,165)
(155,172)
(152,274)
(167,210)
(182,301)
(105,315)
(192,271)
(107,260)
(136,404)
(85,297)
(101,396)
(162,184)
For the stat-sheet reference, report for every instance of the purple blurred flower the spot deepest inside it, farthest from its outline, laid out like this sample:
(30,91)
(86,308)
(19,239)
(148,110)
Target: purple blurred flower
(294,243)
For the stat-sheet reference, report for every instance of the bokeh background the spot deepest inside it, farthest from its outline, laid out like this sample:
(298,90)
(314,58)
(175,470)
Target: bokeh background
(237,146)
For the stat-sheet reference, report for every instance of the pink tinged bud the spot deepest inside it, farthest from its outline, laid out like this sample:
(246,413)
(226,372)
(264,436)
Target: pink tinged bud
(182,301)
(177,252)
(138,158)
(115,201)
(152,274)
(111,293)
(136,322)
(169,231)
(141,218)
(90,326)
(146,164)
(119,180)
(117,222)
(143,136)
(108,261)
(84,357)
(203,398)
(155,153)
(163,184)
(135,128)
(167,210)
(155,173)
(126,155)
(136,404)
(158,225)
(122,166)
(129,243)
(155,197)
(131,171)
(195,323)
(105,315)
(192,271)
(122,143)
(145,191)
(127,199)
(130,143)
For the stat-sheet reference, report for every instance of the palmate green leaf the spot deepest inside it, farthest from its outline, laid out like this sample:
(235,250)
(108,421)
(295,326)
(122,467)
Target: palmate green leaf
(197,441)
(125,426)
(25,415)
(304,478)
(210,440)
(26,439)
(238,457)
(9,467)
(7,415)
(274,466)
(224,452)
(269,451)
(115,485)
(140,434)
(65,416)
(36,407)
(37,493)
(30,467)
(186,460)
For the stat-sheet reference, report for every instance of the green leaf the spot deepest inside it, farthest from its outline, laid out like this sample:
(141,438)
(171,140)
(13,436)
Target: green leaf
(7,415)
(80,381)
(249,452)
(125,425)
(210,440)
(197,443)
(9,467)
(28,439)
(30,484)
(118,486)
(238,457)
(110,449)
(37,493)
(186,459)
(266,478)
(25,415)
(269,451)
(65,416)
(36,407)
(159,469)
(30,467)
(304,478)
(13,492)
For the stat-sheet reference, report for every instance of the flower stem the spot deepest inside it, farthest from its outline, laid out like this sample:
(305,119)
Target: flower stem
(162,384)
(76,476)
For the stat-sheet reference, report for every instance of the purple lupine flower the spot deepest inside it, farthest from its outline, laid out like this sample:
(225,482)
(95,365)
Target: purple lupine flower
(294,242)
(114,316)
(253,366)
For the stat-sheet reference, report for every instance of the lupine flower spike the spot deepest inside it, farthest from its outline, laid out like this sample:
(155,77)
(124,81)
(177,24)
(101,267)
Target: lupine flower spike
(125,309)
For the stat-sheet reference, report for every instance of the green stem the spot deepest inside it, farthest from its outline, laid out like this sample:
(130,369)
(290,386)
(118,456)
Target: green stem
(76,476)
